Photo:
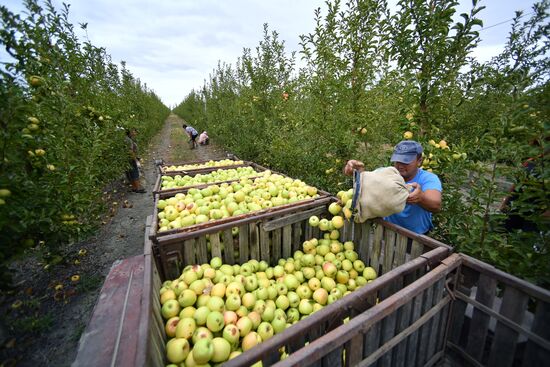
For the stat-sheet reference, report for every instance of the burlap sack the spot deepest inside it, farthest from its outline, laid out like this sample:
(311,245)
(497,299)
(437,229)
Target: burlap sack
(383,192)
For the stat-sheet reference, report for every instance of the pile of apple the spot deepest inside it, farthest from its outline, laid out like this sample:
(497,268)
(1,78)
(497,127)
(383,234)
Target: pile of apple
(186,167)
(178,181)
(216,311)
(230,199)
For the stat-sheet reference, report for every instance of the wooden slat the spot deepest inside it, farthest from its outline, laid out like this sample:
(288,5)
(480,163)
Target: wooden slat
(385,348)
(403,321)
(189,252)
(479,325)
(296,237)
(371,339)
(377,248)
(265,253)
(389,248)
(287,243)
(215,245)
(412,342)
(503,350)
(229,247)
(202,253)
(507,279)
(417,249)
(354,350)
(535,355)
(276,244)
(387,333)
(243,244)
(400,251)
(254,241)
(424,336)
(436,321)
(362,241)
(333,359)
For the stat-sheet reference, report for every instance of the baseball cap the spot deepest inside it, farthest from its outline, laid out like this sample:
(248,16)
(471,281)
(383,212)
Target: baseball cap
(406,151)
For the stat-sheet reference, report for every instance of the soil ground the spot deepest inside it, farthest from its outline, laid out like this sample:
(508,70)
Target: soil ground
(43,317)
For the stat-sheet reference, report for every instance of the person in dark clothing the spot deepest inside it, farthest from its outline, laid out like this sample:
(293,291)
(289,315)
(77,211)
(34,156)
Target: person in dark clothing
(133,172)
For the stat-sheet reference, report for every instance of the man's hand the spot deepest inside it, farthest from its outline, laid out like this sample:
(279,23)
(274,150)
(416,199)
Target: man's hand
(429,199)
(415,196)
(353,165)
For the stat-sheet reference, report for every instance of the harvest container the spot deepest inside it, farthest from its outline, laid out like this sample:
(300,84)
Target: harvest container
(163,166)
(462,313)
(158,183)
(173,240)
(399,255)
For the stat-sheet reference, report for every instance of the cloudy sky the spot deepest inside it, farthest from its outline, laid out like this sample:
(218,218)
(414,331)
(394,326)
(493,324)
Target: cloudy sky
(173,45)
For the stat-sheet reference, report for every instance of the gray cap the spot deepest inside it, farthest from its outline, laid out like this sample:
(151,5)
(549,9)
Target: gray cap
(406,151)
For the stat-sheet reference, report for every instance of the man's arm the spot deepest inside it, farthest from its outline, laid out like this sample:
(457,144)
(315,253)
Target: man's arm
(429,199)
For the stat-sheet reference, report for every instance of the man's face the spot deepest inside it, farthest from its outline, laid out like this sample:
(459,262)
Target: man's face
(407,171)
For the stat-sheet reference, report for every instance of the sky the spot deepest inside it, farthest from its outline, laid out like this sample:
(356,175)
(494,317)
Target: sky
(173,45)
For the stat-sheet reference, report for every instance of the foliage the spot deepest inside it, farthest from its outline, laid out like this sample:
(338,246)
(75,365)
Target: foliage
(64,107)
(369,76)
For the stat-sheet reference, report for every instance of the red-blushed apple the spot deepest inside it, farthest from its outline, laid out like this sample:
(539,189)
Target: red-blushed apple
(170,327)
(250,341)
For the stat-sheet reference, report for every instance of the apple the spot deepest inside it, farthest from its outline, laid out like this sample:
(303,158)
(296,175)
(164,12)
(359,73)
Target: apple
(337,222)
(187,298)
(231,333)
(167,295)
(216,262)
(201,314)
(185,328)
(177,350)
(369,273)
(320,296)
(201,333)
(215,321)
(334,208)
(329,269)
(328,283)
(170,326)
(279,323)
(245,325)
(313,221)
(304,292)
(291,282)
(170,308)
(203,351)
(314,284)
(249,300)
(265,330)
(282,302)
(216,303)
(222,349)
(305,307)
(256,318)
(251,340)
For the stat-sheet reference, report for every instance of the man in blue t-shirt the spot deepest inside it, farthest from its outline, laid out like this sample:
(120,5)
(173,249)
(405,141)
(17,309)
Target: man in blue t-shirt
(425,196)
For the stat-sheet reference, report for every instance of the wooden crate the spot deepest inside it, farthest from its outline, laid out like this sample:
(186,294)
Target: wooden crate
(498,319)
(162,166)
(399,255)
(462,313)
(157,189)
(176,235)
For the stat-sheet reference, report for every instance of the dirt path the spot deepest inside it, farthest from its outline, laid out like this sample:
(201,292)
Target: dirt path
(45,329)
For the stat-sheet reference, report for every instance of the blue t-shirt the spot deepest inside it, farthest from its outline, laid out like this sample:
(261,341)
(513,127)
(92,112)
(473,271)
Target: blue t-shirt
(414,217)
